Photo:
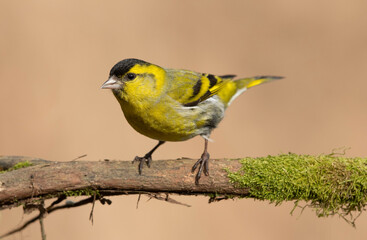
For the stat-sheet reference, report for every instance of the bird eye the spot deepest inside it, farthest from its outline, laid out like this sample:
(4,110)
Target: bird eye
(131,76)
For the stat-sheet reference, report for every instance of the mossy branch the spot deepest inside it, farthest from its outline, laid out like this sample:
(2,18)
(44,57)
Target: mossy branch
(328,183)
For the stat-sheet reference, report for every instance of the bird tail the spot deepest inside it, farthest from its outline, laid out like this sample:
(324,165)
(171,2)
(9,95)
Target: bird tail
(243,84)
(254,81)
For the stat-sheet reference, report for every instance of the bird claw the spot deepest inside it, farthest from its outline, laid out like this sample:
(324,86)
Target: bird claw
(147,158)
(203,164)
(141,160)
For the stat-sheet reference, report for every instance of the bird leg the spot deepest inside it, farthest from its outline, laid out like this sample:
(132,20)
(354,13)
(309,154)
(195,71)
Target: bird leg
(204,164)
(147,157)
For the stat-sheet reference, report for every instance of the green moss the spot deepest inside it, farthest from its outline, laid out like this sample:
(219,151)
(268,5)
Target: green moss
(18,166)
(81,192)
(330,184)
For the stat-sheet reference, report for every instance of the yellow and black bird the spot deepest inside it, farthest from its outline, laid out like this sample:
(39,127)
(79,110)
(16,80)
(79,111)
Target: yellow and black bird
(174,105)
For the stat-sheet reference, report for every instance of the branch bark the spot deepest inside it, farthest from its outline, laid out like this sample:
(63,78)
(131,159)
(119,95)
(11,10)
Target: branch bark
(331,184)
(47,178)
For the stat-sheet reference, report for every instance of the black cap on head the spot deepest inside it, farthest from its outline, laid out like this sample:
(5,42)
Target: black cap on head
(124,66)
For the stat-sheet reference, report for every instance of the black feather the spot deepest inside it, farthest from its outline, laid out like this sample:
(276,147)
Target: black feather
(124,66)
(271,77)
(196,88)
(192,104)
(212,80)
(228,76)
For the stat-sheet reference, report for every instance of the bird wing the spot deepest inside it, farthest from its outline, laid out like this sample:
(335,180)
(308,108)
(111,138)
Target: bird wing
(191,88)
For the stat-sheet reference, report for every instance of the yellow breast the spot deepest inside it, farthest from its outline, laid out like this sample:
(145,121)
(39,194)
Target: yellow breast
(159,120)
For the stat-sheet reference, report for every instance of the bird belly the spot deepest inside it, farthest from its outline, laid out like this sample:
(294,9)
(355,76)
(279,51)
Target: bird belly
(173,122)
(160,122)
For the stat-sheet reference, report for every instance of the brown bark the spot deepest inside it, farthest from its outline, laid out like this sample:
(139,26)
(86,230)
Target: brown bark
(47,178)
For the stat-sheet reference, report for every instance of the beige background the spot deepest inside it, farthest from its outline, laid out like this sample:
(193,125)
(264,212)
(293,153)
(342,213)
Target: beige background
(54,56)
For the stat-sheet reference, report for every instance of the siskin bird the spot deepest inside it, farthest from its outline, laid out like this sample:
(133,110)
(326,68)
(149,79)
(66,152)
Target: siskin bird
(174,105)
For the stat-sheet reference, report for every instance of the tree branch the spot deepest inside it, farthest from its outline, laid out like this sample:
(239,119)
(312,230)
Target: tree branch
(49,179)
(331,184)
(49,210)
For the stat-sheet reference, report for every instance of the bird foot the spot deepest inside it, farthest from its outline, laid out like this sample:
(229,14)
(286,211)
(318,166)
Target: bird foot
(203,164)
(146,159)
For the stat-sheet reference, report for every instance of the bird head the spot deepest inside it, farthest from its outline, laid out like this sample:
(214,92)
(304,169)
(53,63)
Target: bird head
(120,73)
(134,78)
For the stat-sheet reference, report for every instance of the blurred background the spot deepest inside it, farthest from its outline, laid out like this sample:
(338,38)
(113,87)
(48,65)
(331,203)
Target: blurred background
(55,55)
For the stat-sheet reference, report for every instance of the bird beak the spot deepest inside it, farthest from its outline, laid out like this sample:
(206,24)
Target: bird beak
(112,83)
